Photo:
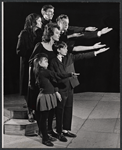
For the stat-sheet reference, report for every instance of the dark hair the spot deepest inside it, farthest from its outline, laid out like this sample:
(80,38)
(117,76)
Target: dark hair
(62,16)
(36,67)
(45,7)
(57,45)
(49,31)
(30,21)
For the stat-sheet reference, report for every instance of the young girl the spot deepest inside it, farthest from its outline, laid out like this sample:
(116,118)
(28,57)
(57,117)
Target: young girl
(48,95)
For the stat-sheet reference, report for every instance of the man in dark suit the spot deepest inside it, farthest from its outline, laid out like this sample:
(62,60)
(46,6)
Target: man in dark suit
(69,34)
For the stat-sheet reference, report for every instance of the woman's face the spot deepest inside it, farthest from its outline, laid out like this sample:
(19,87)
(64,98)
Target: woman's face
(39,22)
(56,34)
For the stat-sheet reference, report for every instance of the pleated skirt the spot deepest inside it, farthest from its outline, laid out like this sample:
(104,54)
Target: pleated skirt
(46,101)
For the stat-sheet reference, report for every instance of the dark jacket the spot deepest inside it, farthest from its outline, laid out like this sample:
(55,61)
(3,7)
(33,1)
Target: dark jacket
(67,66)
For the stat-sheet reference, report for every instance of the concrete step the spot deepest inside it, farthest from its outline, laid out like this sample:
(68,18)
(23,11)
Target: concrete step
(15,112)
(20,127)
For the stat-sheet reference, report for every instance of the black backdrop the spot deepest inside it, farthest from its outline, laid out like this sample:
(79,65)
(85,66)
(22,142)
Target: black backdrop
(99,74)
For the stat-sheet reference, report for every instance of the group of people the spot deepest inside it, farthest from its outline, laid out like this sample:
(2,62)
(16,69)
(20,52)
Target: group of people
(47,73)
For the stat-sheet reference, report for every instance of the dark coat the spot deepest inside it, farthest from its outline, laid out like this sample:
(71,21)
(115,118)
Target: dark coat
(24,48)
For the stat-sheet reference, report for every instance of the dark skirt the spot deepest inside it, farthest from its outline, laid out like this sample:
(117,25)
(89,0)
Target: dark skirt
(46,101)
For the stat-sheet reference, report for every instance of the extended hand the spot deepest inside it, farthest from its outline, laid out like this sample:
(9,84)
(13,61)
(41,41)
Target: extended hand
(103,50)
(59,96)
(105,30)
(98,45)
(91,29)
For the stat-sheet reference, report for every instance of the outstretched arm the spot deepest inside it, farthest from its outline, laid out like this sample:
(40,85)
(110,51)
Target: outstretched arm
(86,48)
(90,35)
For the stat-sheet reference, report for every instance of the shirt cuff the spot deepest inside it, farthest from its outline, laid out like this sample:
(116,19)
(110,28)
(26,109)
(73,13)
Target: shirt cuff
(99,33)
(95,53)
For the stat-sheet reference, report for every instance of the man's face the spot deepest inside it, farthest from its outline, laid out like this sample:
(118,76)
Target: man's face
(64,24)
(49,13)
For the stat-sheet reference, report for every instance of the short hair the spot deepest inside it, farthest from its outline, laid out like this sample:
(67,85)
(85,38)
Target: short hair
(57,45)
(45,8)
(49,31)
(62,16)
(30,20)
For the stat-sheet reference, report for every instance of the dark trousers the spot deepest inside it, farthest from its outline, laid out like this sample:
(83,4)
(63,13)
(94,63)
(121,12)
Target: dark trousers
(41,117)
(64,111)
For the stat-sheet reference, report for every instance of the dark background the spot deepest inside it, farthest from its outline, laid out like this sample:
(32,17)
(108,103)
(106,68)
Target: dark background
(99,74)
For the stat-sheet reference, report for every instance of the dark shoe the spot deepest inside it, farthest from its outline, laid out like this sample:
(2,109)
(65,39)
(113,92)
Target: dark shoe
(52,133)
(61,137)
(47,143)
(52,139)
(69,134)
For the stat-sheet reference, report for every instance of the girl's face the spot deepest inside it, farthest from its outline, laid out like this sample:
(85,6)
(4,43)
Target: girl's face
(44,62)
(39,22)
(56,34)
(63,51)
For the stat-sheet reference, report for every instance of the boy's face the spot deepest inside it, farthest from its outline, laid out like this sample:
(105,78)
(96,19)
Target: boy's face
(44,62)
(49,13)
(63,24)
(63,51)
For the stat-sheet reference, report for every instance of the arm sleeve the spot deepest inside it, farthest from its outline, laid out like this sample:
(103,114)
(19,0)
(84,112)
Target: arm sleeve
(59,76)
(85,34)
(79,56)
(22,43)
(75,29)
(36,50)
(93,34)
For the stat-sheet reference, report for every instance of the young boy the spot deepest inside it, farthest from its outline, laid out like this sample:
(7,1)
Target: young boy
(64,63)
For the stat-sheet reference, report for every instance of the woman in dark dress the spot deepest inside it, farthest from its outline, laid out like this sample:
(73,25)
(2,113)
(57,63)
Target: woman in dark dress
(25,46)
(50,35)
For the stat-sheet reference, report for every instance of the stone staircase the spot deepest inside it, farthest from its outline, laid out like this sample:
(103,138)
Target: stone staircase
(15,117)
